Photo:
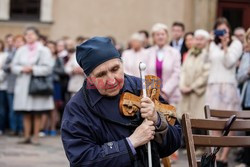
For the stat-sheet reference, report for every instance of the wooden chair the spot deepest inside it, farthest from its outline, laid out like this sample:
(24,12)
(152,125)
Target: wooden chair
(225,113)
(193,140)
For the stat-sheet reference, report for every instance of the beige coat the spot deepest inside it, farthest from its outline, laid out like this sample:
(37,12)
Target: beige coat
(22,100)
(194,74)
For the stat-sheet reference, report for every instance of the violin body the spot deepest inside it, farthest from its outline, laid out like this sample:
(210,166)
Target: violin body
(130,103)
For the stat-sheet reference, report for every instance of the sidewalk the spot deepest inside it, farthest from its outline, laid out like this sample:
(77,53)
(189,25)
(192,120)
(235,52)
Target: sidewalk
(49,154)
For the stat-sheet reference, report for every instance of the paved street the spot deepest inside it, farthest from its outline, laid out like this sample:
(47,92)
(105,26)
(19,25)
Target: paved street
(49,154)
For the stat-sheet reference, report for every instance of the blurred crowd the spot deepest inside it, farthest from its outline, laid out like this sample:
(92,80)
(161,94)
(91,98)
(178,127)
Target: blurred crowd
(196,68)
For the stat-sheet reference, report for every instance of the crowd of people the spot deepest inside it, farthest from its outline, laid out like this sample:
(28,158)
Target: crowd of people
(195,68)
(32,54)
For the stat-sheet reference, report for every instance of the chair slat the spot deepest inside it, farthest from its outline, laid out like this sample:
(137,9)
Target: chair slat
(224,141)
(238,125)
(225,113)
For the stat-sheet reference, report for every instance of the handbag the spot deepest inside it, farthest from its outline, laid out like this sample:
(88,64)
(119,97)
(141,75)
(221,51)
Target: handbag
(41,85)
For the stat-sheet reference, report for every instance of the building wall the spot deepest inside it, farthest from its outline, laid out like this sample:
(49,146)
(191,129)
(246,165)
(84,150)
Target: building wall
(204,13)
(117,18)
(19,27)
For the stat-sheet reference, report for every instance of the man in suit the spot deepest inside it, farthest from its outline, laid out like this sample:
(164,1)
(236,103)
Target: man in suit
(178,30)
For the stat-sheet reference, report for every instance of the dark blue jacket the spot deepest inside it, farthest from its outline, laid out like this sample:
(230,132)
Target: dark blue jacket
(94,132)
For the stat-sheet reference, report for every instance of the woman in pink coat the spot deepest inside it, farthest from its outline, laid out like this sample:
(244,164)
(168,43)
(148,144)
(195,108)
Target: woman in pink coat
(165,62)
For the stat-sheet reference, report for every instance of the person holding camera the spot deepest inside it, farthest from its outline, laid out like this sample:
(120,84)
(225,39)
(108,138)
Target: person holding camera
(224,52)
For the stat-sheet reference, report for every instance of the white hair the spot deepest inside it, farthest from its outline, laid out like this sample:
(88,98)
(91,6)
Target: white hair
(158,27)
(137,36)
(203,33)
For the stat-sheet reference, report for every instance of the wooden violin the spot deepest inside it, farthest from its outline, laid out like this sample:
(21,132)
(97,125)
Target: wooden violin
(130,103)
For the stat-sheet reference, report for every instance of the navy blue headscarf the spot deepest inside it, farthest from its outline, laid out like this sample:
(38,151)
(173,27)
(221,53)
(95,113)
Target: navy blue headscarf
(94,52)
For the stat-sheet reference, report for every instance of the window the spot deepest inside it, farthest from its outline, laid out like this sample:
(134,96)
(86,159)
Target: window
(25,9)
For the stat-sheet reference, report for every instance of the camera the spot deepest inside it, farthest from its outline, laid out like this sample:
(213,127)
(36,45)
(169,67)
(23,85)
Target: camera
(219,33)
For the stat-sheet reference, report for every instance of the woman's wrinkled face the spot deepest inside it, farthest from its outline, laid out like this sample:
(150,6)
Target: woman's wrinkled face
(160,37)
(108,77)
(136,44)
(200,42)
(30,36)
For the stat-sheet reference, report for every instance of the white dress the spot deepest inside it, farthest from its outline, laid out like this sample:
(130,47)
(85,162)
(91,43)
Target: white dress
(222,90)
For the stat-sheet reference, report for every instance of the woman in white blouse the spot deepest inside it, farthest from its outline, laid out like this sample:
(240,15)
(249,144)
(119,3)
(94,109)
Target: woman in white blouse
(224,52)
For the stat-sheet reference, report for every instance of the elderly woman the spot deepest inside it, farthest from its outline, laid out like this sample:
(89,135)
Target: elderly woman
(222,93)
(132,57)
(194,75)
(31,59)
(165,62)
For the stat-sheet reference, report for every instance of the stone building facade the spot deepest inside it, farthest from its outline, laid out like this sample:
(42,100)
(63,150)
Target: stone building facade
(119,18)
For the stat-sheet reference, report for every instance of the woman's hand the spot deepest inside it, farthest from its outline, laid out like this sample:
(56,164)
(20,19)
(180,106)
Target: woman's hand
(224,41)
(148,109)
(186,90)
(143,134)
(27,69)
